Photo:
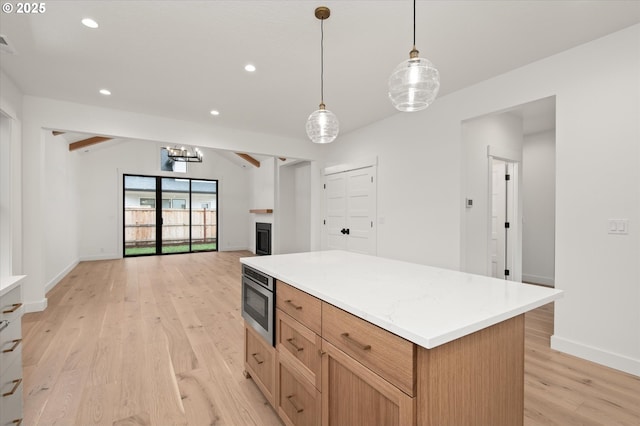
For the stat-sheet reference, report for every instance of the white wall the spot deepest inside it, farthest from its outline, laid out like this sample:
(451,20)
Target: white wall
(421,191)
(418,186)
(294,208)
(59,214)
(100,193)
(539,205)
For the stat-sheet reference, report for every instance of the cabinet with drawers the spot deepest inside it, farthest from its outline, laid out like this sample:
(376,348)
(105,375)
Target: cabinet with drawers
(10,351)
(334,368)
(259,362)
(298,343)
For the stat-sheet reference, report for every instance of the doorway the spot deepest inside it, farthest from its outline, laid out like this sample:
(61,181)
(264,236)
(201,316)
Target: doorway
(169,215)
(525,136)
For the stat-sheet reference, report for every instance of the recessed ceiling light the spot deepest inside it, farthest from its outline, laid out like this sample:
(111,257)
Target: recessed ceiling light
(88,22)
(105,92)
(214,112)
(250,68)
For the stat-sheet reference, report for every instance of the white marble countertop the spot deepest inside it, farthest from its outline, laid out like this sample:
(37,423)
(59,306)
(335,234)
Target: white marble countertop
(425,305)
(9,283)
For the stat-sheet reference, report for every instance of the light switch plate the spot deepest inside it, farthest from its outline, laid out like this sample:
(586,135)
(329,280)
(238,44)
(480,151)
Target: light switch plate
(619,226)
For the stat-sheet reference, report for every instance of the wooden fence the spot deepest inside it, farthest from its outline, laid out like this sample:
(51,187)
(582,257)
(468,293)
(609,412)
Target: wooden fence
(140,226)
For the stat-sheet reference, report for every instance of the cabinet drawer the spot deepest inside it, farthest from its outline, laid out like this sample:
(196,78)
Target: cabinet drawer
(11,395)
(302,345)
(11,304)
(260,362)
(388,355)
(298,401)
(299,305)
(10,345)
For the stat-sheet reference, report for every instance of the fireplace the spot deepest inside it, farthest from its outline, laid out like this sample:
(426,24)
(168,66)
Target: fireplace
(263,238)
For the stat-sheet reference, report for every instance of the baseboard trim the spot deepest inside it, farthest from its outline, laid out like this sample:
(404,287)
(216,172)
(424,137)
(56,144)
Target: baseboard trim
(100,257)
(52,283)
(233,248)
(38,306)
(599,356)
(538,279)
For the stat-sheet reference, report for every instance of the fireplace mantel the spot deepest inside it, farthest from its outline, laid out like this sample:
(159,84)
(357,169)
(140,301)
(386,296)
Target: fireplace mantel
(261,211)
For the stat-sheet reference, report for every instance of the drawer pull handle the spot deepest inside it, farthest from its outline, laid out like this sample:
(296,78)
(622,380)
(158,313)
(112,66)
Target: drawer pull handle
(258,360)
(293,403)
(293,305)
(355,343)
(16,383)
(12,348)
(17,422)
(14,308)
(292,342)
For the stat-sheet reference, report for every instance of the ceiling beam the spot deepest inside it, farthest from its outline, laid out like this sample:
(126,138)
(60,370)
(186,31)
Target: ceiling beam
(57,132)
(87,142)
(249,158)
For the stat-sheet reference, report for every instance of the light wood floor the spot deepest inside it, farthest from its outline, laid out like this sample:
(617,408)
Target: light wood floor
(158,341)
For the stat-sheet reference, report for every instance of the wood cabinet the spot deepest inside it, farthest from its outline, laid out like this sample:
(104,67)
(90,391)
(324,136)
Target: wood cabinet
(260,362)
(298,401)
(336,369)
(302,307)
(298,324)
(354,395)
(11,357)
(301,345)
(333,368)
(391,357)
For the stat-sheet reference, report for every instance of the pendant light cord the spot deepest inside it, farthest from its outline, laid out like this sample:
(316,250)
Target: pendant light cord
(414,24)
(322,61)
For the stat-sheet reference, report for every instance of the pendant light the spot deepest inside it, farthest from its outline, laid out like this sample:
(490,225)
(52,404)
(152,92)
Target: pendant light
(414,84)
(322,125)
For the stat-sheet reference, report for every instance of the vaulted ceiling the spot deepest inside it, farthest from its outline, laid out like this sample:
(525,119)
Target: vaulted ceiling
(182,59)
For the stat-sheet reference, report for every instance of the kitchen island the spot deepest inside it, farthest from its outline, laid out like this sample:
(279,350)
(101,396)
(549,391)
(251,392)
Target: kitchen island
(391,342)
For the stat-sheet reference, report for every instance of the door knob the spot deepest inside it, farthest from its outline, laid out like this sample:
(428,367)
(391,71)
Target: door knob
(344,231)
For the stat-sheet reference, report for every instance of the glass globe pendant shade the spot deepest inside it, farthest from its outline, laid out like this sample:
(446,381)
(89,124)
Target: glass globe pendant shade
(414,84)
(322,126)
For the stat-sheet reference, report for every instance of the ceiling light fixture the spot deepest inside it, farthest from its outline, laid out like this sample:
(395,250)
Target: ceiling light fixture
(88,22)
(250,68)
(322,125)
(214,112)
(414,84)
(105,92)
(183,154)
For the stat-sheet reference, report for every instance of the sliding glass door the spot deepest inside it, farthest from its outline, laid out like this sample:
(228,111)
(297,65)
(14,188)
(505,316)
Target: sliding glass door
(176,200)
(139,215)
(204,215)
(169,215)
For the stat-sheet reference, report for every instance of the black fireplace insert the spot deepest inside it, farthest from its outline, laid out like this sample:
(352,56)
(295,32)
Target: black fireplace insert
(263,238)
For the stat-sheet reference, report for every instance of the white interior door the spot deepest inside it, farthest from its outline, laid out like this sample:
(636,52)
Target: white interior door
(336,211)
(498,203)
(502,243)
(351,210)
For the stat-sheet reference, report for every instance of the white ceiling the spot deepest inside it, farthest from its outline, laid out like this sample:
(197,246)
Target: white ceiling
(183,58)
